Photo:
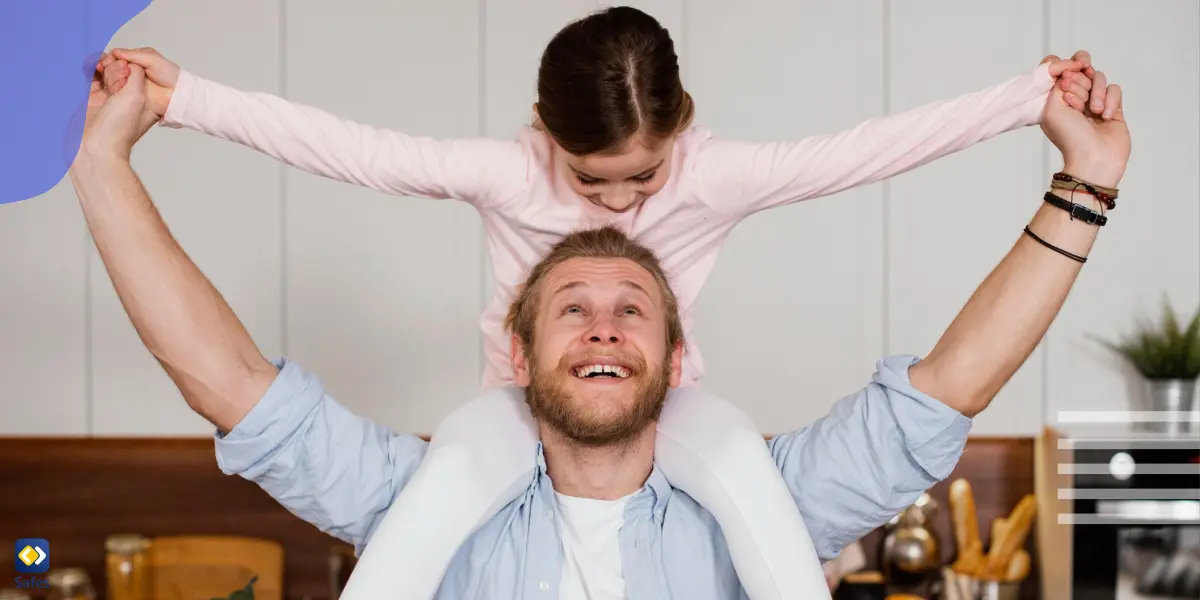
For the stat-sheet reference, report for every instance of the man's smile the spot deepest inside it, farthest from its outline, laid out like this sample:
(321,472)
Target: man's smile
(600,371)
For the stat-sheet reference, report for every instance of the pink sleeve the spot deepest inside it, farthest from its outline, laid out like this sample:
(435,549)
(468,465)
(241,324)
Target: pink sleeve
(740,178)
(482,172)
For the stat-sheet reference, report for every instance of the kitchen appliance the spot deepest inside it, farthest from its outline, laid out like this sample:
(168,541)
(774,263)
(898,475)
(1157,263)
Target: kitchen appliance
(1125,522)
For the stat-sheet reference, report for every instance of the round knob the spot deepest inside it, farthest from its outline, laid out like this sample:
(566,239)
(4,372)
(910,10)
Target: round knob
(1121,466)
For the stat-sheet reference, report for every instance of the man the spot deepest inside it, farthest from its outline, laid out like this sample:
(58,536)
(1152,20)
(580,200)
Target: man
(596,344)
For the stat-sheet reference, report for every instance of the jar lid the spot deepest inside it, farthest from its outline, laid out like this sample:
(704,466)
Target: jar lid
(126,543)
(67,577)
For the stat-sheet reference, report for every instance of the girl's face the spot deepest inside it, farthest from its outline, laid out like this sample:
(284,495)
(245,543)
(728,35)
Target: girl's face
(618,182)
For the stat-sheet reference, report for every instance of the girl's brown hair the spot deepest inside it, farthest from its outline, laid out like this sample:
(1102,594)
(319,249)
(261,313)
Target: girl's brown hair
(608,77)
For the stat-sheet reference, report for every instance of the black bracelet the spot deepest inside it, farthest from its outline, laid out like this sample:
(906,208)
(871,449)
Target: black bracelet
(1077,211)
(1055,248)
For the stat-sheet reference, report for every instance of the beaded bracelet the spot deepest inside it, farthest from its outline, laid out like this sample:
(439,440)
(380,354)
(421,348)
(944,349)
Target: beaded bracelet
(1106,195)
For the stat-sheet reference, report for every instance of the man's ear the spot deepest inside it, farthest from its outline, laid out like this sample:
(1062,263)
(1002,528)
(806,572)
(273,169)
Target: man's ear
(520,362)
(676,365)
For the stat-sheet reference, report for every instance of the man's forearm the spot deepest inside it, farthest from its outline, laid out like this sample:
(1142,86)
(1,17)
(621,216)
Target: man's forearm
(1009,313)
(179,315)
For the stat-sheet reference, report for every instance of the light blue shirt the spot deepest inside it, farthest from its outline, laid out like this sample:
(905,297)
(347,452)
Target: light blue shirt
(849,472)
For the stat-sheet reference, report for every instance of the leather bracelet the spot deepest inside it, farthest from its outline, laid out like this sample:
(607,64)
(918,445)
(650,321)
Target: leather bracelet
(1069,255)
(1077,211)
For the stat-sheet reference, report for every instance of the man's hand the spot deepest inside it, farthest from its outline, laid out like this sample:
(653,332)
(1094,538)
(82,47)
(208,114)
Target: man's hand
(1093,138)
(160,80)
(180,317)
(116,120)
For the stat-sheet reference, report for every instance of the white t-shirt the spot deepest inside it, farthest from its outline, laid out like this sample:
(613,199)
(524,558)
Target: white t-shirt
(590,532)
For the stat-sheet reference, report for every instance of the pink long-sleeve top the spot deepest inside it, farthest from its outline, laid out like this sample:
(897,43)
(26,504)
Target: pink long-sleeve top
(526,207)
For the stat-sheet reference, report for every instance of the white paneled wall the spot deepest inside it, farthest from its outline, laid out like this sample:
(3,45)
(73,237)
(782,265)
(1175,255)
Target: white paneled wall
(380,295)
(951,221)
(221,201)
(514,34)
(43,315)
(791,318)
(383,291)
(1151,245)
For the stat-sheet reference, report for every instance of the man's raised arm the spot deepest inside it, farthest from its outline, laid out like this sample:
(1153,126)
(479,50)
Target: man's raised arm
(181,318)
(1009,313)
(277,423)
(880,448)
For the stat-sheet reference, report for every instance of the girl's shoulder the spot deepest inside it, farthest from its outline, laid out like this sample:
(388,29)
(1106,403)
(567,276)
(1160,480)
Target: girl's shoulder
(692,140)
(534,140)
(537,147)
(697,140)
(690,146)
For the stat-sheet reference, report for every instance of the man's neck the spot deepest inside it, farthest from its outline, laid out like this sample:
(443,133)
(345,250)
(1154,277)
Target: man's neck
(604,473)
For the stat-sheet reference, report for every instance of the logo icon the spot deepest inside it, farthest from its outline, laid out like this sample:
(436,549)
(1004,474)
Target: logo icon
(32,555)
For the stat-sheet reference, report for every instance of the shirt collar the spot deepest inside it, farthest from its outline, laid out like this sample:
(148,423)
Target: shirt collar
(654,495)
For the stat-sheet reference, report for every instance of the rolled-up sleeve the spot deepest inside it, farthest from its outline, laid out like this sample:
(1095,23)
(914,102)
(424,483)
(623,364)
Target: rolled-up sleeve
(332,468)
(871,457)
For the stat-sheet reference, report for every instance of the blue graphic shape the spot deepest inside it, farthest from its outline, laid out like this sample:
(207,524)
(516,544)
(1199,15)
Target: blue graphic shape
(32,555)
(54,46)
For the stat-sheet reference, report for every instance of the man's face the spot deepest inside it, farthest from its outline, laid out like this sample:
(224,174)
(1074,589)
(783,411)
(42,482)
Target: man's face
(600,364)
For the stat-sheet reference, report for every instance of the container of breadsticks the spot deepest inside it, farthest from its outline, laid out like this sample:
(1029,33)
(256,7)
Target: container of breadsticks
(998,573)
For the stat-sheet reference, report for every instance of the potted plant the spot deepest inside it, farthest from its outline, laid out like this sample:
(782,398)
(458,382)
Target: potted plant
(1168,357)
(246,593)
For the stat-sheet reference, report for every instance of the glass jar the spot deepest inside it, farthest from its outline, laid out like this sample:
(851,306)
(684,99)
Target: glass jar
(126,566)
(70,584)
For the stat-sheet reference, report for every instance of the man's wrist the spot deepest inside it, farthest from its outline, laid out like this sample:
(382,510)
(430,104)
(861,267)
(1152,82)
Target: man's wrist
(100,155)
(1096,172)
(1082,198)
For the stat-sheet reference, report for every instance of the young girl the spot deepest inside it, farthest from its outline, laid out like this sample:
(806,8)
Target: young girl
(612,142)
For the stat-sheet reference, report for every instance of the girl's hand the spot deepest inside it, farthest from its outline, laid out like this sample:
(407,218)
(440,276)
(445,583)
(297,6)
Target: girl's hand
(160,80)
(1076,77)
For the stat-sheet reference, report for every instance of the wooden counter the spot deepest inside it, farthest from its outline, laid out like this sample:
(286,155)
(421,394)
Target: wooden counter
(77,491)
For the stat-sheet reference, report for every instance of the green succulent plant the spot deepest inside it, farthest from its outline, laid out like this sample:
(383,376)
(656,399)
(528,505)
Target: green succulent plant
(246,593)
(1163,350)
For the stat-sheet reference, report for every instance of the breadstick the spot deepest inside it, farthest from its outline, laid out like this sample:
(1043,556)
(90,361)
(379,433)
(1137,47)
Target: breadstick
(1017,529)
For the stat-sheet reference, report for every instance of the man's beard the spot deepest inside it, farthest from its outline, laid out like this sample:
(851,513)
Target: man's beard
(550,402)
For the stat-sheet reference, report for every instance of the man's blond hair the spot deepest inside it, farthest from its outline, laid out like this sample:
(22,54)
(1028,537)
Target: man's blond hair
(604,242)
